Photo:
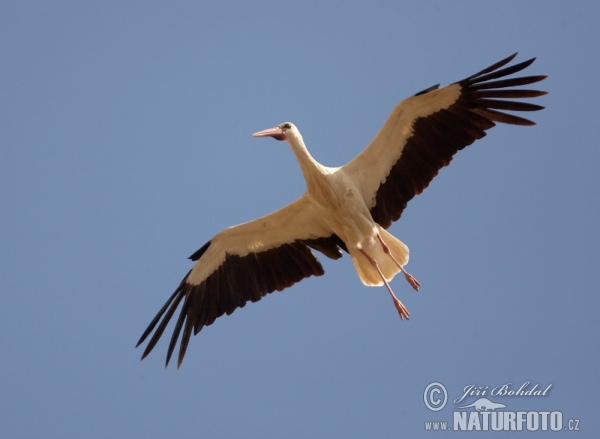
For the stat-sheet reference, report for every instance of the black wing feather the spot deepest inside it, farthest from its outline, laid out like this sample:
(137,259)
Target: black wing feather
(238,280)
(437,137)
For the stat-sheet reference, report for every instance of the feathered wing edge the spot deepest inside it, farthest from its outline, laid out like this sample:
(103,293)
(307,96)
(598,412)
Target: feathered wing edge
(437,137)
(236,281)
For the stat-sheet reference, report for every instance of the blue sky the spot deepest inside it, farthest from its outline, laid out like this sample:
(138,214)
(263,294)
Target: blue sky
(125,145)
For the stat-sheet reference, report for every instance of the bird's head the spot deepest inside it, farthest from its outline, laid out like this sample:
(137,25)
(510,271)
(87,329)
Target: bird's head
(280,132)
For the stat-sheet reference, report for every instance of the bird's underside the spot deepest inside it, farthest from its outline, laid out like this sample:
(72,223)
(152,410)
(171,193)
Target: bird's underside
(344,209)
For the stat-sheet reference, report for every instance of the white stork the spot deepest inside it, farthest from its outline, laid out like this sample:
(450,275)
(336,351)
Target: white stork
(346,208)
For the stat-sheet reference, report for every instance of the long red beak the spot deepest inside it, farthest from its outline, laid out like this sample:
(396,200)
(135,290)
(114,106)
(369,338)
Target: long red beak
(274,132)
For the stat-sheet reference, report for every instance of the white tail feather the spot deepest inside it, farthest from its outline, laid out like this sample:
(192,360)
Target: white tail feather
(367,273)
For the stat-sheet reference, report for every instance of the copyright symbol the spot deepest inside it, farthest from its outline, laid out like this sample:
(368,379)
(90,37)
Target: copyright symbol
(435,396)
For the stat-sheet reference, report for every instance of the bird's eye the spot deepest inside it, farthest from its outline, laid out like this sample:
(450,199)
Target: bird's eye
(285,126)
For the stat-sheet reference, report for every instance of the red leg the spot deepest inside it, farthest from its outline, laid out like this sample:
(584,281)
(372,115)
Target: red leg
(399,306)
(411,280)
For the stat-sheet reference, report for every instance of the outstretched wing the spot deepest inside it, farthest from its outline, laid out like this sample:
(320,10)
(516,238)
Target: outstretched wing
(426,130)
(244,263)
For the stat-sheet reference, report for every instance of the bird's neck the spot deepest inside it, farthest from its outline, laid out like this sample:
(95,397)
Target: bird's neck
(312,170)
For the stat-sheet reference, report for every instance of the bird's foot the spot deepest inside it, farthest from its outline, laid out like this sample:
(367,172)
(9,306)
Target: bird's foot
(401,308)
(412,281)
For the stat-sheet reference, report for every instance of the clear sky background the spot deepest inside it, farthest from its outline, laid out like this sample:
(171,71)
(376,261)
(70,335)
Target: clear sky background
(125,145)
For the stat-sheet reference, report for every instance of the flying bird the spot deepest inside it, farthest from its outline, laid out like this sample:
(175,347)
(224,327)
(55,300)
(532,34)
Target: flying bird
(347,208)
